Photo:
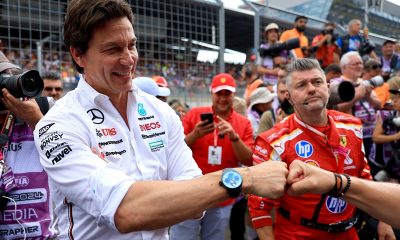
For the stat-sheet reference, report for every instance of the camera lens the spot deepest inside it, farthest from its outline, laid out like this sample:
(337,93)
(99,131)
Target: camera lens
(27,84)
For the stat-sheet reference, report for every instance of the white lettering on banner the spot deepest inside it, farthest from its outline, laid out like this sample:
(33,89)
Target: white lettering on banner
(28,196)
(15,231)
(22,181)
(21,214)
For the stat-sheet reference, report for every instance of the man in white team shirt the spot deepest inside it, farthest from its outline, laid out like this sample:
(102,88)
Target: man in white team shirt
(112,152)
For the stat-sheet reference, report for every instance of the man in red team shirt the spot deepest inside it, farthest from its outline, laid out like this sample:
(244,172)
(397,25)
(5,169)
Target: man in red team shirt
(324,138)
(224,143)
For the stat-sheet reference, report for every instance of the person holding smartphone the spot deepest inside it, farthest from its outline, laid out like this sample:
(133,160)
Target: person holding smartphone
(219,138)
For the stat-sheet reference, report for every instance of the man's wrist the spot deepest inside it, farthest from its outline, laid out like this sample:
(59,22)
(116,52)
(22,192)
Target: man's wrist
(235,138)
(248,179)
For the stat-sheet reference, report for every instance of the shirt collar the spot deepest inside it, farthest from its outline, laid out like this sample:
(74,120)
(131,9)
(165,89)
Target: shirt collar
(94,95)
(331,137)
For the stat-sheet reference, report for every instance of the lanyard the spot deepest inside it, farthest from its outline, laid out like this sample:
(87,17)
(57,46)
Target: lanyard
(215,136)
(5,134)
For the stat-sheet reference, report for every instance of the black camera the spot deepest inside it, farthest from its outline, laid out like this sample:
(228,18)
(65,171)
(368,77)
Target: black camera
(340,93)
(391,123)
(26,84)
(331,32)
(277,48)
(366,47)
(327,31)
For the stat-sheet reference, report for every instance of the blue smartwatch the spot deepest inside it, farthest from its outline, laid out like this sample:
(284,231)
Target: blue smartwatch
(232,181)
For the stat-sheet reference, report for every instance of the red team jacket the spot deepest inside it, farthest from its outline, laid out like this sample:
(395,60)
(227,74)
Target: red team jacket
(337,147)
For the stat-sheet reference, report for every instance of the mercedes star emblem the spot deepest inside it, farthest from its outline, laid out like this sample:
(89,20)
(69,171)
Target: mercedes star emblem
(96,115)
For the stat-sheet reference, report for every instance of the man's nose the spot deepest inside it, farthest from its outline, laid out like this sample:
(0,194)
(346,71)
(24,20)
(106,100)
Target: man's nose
(310,88)
(127,58)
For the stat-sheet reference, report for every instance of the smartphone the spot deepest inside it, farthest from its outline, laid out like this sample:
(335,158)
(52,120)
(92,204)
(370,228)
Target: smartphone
(207,116)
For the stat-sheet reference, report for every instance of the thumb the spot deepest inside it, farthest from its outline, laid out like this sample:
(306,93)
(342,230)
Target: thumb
(296,172)
(296,180)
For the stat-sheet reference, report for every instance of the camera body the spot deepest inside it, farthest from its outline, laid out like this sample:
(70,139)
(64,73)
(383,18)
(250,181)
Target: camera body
(327,31)
(391,122)
(276,49)
(26,84)
(332,33)
(366,46)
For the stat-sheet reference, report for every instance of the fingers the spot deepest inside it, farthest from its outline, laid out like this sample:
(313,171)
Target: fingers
(8,99)
(296,171)
(224,127)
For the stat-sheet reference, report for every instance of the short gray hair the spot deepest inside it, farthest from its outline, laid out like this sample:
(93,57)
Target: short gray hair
(346,58)
(51,75)
(354,21)
(300,65)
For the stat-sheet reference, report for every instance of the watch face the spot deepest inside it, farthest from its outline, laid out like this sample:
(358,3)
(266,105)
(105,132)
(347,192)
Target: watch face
(232,179)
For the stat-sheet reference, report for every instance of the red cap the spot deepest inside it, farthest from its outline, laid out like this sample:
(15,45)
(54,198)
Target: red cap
(160,81)
(223,81)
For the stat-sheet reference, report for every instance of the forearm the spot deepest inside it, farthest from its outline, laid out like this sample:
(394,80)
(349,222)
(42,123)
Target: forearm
(155,204)
(242,152)
(366,195)
(265,233)
(381,138)
(190,139)
(374,101)
(151,205)
(264,70)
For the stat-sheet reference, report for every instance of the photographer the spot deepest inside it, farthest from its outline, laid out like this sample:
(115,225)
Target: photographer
(300,24)
(384,153)
(373,72)
(353,41)
(327,51)
(365,100)
(268,67)
(21,174)
(389,60)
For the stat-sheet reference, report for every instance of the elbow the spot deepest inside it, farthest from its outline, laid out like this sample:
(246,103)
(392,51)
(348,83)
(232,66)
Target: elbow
(121,221)
(127,221)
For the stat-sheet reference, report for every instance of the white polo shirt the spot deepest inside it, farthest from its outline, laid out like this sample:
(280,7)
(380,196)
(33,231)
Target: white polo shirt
(87,189)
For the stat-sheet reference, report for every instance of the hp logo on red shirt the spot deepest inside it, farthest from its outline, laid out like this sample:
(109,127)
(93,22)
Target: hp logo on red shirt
(304,149)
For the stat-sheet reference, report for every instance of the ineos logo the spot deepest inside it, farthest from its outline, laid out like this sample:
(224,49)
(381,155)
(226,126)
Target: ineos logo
(96,115)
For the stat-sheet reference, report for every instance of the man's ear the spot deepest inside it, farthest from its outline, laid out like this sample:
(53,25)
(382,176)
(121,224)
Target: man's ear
(77,55)
(287,95)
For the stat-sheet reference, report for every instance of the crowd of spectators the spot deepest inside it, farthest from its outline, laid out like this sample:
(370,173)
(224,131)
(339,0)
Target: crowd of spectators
(352,58)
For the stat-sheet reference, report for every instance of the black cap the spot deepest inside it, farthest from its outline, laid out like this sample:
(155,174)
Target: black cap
(300,17)
(388,41)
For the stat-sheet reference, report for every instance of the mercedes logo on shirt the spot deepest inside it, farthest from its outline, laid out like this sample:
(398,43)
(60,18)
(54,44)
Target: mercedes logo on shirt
(96,115)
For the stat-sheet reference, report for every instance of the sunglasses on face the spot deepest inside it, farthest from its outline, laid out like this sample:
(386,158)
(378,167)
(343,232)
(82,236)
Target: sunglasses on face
(58,89)
(378,66)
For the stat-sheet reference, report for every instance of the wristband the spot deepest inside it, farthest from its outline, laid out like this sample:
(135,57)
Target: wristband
(347,187)
(338,190)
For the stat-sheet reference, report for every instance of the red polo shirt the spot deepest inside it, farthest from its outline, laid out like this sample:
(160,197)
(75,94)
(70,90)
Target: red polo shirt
(199,148)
